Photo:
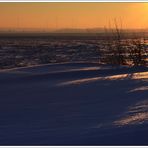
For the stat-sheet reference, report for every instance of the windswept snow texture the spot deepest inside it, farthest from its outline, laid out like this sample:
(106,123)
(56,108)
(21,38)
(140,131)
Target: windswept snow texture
(74,104)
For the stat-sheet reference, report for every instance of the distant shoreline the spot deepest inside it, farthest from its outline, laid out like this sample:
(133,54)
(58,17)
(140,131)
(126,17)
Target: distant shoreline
(77,36)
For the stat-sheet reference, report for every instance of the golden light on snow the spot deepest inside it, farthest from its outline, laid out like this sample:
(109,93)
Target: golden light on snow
(137,118)
(140,75)
(136,114)
(143,88)
(80,81)
(134,76)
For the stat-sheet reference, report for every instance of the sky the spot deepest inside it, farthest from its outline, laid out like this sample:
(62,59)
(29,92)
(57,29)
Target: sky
(60,15)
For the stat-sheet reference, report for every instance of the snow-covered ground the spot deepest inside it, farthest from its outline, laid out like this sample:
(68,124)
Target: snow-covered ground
(74,104)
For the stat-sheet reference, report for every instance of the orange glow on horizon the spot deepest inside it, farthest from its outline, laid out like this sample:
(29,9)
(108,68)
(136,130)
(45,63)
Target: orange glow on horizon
(72,15)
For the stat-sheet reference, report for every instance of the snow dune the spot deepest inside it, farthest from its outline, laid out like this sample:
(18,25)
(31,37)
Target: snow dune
(74,104)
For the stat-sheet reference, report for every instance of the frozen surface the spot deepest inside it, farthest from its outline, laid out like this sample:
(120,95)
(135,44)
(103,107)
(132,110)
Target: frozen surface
(74,104)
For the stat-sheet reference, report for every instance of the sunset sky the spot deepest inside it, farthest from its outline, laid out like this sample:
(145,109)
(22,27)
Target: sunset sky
(72,15)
